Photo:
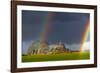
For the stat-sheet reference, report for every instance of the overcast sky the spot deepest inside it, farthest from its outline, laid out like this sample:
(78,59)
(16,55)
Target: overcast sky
(65,27)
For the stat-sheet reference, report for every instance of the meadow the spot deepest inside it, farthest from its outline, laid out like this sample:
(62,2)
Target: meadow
(56,57)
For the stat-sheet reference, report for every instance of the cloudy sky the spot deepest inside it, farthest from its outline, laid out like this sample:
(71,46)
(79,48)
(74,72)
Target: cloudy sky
(53,26)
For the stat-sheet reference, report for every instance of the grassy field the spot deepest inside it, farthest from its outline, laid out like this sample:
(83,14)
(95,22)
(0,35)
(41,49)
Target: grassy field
(56,57)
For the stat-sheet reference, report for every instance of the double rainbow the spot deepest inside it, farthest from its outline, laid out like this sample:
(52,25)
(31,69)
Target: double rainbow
(47,27)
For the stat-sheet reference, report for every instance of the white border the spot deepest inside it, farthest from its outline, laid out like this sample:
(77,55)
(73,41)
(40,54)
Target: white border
(53,63)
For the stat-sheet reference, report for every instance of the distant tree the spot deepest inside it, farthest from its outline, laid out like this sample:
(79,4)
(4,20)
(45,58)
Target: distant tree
(24,54)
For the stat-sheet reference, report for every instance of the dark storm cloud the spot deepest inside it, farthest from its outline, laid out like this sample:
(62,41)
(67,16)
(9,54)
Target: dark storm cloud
(32,22)
(68,27)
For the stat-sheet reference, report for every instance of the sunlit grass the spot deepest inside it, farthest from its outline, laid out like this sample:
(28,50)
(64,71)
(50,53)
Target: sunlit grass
(56,57)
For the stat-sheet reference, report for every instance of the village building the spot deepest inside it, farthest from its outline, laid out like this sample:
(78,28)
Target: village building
(42,47)
(38,48)
(58,48)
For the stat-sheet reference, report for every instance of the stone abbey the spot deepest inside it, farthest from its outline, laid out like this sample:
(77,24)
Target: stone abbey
(43,47)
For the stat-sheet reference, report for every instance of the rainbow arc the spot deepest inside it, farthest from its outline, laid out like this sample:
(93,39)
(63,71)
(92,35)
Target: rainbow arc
(46,27)
(85,36)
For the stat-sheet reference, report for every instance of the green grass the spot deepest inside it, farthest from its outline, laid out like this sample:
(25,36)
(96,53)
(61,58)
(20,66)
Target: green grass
(56,57)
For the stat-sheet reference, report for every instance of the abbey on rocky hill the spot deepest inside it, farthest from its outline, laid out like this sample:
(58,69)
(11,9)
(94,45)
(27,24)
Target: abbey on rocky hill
(43,47)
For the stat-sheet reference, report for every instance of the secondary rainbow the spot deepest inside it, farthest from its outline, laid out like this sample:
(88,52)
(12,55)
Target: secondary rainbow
(85,36)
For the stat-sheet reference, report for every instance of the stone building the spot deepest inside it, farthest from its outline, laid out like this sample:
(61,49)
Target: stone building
(58,48)
(38,48)
(43,48)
